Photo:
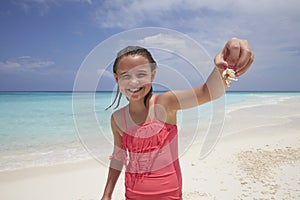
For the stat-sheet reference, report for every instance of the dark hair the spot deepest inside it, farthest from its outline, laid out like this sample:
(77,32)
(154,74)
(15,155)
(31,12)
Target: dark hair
(132,50)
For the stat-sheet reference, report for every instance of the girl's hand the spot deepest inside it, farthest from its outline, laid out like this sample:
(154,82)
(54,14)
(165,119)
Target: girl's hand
(237,55)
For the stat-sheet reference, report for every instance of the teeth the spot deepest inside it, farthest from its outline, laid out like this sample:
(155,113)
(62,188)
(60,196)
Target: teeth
(134,90)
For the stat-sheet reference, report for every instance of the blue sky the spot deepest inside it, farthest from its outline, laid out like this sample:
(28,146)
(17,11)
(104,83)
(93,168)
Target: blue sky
(44,42)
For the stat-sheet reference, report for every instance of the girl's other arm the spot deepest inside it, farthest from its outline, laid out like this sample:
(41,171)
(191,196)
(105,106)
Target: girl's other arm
(116,165)
(236,53)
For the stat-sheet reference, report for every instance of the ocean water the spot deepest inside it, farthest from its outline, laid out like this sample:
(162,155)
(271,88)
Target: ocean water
(48,128)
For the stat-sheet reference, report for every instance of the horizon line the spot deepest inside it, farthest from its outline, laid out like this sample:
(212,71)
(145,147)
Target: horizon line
(153,91)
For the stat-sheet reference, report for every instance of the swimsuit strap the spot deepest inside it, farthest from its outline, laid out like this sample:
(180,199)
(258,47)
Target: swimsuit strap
(154,106)
(124,118)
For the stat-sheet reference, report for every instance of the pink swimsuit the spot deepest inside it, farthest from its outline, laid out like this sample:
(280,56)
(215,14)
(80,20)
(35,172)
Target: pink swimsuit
(152,167)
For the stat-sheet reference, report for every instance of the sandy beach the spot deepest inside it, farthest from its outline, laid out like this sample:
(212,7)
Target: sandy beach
(257,158)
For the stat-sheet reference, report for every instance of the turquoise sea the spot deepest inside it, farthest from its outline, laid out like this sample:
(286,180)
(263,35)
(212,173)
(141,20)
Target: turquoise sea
(44,128)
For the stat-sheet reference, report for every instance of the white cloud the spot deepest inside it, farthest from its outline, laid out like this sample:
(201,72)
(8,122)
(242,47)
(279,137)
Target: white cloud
(271,27)
(169,47)
(26,63)
(179,50)
(274,24)
(164,41)
(180,55)
(132,13)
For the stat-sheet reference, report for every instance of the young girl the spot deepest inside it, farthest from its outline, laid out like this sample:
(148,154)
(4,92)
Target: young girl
(145,131)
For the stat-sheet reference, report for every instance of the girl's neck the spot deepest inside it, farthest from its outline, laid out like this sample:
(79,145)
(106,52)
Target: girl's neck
(138,113)
(137,107)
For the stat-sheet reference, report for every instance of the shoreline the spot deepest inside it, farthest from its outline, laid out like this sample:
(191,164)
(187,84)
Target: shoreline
(71,148)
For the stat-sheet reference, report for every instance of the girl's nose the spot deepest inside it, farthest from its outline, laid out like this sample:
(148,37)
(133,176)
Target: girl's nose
(134,80)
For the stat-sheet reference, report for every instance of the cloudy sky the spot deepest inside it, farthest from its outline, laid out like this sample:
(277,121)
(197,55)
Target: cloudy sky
(44,42)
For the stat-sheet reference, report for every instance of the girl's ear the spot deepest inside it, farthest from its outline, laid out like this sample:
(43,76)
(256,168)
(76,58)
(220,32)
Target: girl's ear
(153,73)
(116,77)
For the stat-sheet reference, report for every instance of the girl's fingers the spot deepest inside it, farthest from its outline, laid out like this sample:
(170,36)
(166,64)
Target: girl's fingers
(232,52)
(241,71)
(246,58)
(245,53)
(220,61)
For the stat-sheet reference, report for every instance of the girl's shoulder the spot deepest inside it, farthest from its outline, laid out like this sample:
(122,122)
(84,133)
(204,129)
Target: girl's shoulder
(163,98)
(119,111)
(117,117)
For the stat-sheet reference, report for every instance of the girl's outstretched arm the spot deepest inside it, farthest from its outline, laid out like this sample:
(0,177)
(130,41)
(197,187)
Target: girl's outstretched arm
(116,165)
(237,54)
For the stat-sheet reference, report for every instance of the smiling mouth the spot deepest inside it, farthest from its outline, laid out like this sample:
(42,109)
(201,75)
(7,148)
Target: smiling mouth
(135,90)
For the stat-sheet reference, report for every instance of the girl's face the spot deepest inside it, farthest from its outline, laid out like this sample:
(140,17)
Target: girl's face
(134,77)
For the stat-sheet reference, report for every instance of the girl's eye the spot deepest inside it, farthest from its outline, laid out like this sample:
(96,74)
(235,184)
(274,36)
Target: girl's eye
(125,76)
(141,75)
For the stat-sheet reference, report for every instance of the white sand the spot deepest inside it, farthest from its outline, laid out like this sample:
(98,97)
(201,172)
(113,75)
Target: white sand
(259,159)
